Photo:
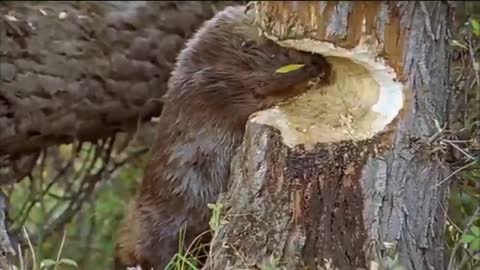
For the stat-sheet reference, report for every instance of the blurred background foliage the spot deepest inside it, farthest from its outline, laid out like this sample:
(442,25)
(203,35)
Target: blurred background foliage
(463,231)
(83,189)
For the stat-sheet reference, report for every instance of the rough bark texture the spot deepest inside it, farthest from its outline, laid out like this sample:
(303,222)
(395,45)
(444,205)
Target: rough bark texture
(287,202)
(85,70)
(348,205)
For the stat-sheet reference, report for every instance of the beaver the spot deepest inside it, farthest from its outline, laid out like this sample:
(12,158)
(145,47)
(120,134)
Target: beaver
(225,72)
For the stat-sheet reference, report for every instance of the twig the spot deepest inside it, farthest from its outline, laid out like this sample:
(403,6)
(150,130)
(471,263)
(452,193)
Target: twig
(20,258)
(450,220)
(60,249)
(34,260)
(465,259)
(472,55)
(457,245)
(454,173)
(470,157)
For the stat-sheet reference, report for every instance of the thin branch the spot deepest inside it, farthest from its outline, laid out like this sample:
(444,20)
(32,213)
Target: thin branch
(457,245)
(453,174)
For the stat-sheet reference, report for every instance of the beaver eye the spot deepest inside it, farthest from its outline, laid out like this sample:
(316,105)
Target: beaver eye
(248,43)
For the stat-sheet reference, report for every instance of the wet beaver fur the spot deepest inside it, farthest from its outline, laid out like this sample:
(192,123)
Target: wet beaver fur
(225,72)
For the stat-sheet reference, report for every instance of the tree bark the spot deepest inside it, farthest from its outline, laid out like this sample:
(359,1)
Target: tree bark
(78,70)
(323,200)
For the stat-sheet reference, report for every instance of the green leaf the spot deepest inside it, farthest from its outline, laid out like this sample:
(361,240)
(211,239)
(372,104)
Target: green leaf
(289,68)
(458,44)
(475,230)
(476,257)
(69,262)
(475,245)
(467,238)
(471,176)
(47,263)
(476,27)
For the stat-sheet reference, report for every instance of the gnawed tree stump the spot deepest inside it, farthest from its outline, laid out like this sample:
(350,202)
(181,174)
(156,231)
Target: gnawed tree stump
(346,177)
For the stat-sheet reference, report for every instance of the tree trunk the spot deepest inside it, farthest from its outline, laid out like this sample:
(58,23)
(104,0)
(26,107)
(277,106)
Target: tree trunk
(85,70)
(349,177)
